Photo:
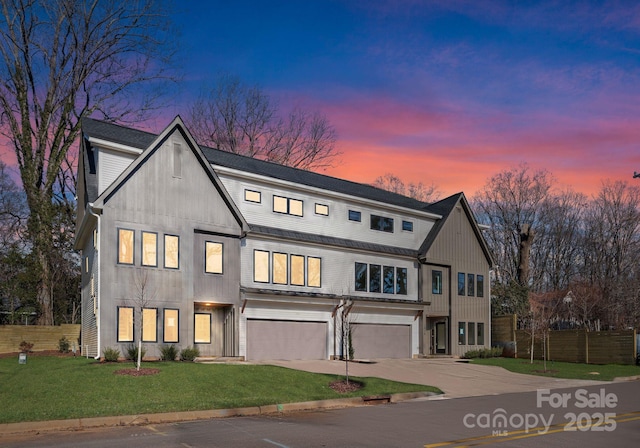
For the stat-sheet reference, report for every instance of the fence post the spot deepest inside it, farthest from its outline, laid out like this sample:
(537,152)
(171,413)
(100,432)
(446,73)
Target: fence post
(586,345)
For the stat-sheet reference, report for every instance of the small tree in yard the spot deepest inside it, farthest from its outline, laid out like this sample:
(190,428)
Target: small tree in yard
(347,335)
(145,294)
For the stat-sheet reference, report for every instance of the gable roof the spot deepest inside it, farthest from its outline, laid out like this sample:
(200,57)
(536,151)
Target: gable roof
(444,208)
(176,125)
(100,130)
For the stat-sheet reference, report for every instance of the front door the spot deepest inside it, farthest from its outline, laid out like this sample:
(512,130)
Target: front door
(441,337)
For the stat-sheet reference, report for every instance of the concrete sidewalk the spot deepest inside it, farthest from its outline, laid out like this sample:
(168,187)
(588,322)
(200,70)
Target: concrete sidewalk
(454,377)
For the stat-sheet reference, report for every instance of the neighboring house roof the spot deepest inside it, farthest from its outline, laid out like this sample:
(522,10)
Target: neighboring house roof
(140,139)
(444,208)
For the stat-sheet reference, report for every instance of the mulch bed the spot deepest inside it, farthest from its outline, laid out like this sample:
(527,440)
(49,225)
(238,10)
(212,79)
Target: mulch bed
(342,387)
(133,372)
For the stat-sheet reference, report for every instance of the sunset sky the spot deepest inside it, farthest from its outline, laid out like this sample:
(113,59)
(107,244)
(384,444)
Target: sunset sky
(446,92)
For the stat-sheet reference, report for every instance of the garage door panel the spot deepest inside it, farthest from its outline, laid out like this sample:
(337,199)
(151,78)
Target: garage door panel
(381,341)
(281,339)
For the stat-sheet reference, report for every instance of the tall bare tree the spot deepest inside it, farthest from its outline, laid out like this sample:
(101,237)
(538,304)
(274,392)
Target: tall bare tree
(61,60)
(419,191)
(243,119)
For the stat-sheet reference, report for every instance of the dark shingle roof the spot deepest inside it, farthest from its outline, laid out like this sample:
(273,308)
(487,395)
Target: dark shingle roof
(141,140)
(332,241)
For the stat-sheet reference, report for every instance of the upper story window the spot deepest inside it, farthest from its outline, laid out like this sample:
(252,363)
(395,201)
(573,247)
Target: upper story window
(125,246)
(355,216)
(149,249)
(284,269)
(480,285)
(171,252)
(377,278)
(382,223)
(461,283)
(407,226)
(213,257)
(287,206)
(471,280)
(253,196)
(436,282)
(322,209)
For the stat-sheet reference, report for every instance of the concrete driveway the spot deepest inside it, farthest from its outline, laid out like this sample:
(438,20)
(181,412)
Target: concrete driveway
(457,379)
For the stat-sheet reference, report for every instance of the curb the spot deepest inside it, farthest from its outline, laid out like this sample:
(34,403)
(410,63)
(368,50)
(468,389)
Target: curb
(78,424)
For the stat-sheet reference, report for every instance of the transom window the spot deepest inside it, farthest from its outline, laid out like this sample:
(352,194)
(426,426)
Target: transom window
(355,216)
(407,226)
(322,209)
(287,206)
(381,223)
(252,196)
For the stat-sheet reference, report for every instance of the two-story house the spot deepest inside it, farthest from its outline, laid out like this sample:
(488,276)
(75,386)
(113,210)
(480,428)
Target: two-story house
(193,246)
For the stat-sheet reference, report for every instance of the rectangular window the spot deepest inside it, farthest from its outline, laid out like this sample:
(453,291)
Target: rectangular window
(280,275)
(149,249)
(322,209)
(280,204)
(461,283)
(202,328)
(480,285)
(436,282)
(355,216)
(471,333)
(287,205)
(381,223)
(388,279)
(125,324)
(361,277)
(213,257)
(92,291)
(297,270)
(461,336)
(253,196)
(149,325)
(480,333)
(261,266)
(471,281)
(171,252)
(401,281)
(375,278)
(407,226)
(125,246)
(314,269)
(295,207)
(171,326)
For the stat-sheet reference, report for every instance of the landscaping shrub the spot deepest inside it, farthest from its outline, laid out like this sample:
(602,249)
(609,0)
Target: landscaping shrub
(494,352)
(26,347)
(63,345)
(168,352)
(132,352)
(111,354)
(189,353)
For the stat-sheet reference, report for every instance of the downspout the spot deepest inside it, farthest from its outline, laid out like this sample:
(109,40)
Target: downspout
(90,208)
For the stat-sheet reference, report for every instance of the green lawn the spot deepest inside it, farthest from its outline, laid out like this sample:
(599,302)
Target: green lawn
(563,369)
(51,388)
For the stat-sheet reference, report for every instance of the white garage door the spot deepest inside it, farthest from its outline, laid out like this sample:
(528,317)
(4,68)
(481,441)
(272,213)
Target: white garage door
(284,339)
(381,341)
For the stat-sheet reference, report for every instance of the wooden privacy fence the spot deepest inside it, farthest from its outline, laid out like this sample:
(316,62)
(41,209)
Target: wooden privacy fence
(43,337)
(590,347)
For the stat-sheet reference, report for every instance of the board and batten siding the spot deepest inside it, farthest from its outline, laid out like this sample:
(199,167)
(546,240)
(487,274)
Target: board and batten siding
(457,246)
(153,199)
